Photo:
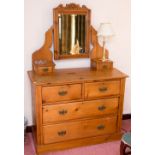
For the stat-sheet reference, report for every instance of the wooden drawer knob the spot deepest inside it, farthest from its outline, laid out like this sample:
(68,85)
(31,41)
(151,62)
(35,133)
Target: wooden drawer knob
(63,112)
(100,127)
(62,133)
(103,89)
(62,93)
(101,108)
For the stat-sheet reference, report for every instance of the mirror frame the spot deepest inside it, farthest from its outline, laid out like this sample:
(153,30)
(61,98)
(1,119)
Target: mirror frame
(71,8)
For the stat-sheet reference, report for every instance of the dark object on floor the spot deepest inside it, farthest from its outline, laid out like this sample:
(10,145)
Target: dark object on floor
(125,144)
(25,126)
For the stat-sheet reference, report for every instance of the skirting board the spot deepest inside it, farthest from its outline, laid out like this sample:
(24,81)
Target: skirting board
(125,117)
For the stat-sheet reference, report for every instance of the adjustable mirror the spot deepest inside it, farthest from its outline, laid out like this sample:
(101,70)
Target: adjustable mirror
(71,31)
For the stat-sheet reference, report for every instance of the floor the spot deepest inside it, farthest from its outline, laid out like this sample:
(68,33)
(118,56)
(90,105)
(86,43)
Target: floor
(111,148)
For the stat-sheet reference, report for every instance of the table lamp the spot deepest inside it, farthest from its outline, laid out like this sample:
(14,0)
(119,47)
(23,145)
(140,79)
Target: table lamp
(105,32)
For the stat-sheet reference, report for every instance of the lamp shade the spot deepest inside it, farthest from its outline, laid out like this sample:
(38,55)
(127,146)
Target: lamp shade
(105,30)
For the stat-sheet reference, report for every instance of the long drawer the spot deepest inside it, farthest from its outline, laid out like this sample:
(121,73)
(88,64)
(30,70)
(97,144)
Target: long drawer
(101,89)
(79,129)
(61,93)
(61,112)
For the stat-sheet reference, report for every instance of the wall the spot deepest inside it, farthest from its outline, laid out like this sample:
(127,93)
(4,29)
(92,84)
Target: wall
(39,17)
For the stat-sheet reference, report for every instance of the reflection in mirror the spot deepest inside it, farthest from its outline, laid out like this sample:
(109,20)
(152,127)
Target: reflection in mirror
(72,32)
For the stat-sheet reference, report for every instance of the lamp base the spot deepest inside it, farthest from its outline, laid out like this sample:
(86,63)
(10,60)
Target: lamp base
(99,64)
(104,60)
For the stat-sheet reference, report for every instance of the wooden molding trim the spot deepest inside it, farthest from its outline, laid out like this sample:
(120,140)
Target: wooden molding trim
(125,117)
(71,6)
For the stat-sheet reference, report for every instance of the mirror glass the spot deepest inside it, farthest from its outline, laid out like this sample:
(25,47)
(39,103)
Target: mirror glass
(72,34)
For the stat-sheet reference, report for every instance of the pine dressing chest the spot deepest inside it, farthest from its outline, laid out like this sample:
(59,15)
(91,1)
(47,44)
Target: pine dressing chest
(74,107)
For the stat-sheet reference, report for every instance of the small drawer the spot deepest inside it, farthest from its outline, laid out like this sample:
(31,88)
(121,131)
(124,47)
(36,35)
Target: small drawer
(101,89)
(79,129)
(61,93)
(61,112)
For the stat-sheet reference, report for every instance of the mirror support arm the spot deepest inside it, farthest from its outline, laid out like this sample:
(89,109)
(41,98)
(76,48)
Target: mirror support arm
(42,59)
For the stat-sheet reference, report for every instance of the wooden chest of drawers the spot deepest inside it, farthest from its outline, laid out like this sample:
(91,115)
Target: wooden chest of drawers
(76,107)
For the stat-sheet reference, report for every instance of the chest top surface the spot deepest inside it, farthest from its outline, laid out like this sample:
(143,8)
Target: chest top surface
(75,75)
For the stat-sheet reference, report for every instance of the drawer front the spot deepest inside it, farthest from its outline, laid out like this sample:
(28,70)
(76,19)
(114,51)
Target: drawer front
(61,93)
(61,112)
(79,129)
(101,89)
